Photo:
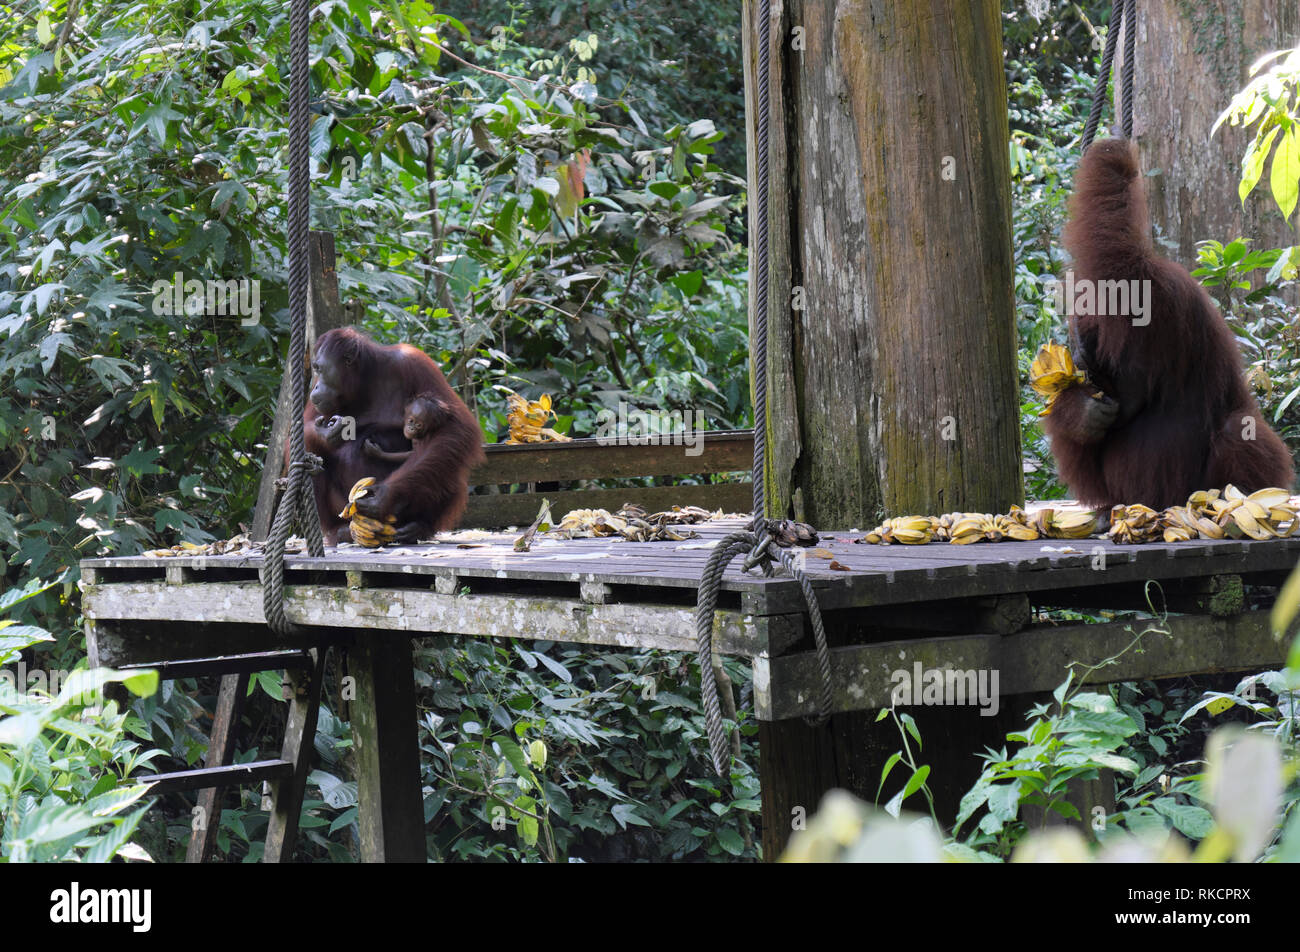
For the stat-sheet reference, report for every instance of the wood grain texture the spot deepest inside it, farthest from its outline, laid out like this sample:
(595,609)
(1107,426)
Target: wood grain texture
(907,332)
(1190,60)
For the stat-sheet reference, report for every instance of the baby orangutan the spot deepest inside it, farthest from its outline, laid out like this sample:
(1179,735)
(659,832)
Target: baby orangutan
(425,415)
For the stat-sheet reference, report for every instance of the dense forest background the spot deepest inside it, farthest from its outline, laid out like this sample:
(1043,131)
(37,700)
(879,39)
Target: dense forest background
(547,196)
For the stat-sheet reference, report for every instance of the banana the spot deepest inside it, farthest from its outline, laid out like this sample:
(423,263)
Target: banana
(1247,522)
(1133,524)
(1053,371)
(528,419)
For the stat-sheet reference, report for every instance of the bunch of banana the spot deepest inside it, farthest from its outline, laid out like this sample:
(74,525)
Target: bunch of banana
(1052,371)
(963,528)
(591,522)
(788,533)
(1183,525)
(528,419)
(1065,524)
(909,530)
(1136,523)
(366,531)
(1264,514)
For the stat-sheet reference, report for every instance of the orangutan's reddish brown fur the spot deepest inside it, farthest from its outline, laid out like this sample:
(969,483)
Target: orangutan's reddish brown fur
(1178,415)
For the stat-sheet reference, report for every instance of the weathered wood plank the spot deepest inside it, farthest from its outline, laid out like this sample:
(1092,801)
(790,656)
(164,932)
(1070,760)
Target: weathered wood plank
(569,619)
(877,576)
(299,731)
(230,774)
(390,814)
(221,748)
(726,451)
(1032,660)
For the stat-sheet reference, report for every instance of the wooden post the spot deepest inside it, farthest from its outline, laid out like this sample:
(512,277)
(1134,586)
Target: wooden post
(391,815)
(892,373)
(323,313)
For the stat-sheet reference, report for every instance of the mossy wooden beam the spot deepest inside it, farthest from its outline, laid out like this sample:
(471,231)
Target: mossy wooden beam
(1032,660)
(197,620)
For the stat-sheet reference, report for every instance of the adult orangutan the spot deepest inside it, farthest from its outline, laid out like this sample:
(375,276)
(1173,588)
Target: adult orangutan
(1175,414)
(425,491)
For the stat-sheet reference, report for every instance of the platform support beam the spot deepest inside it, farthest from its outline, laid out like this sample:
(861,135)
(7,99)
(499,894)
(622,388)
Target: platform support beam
(385,732)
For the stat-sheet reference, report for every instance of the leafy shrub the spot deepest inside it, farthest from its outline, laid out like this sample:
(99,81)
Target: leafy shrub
(64,763)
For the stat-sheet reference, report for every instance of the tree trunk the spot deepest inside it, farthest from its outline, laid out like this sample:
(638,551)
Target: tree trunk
(892,339)
(1191,59)
(892,349)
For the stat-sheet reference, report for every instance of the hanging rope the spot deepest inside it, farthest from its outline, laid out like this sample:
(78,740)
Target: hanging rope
(298,501)
(764,539)
(1126,74)
(1122,12)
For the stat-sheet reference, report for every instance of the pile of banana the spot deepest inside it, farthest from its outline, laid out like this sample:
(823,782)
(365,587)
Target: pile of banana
(528,419)
(1210,514)
(1052,371)
(963,528)
(632,524)
(238,544)
(366,531)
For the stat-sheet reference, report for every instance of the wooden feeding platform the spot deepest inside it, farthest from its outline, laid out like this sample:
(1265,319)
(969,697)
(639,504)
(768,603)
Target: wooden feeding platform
(940,605)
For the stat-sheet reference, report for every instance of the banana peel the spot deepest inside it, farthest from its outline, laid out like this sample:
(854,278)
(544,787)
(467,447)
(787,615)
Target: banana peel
(1052,372)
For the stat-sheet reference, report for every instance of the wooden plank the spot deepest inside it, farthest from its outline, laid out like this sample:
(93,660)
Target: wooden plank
(726,451)
(230,664)
(211,609)
(390,803)
(221,749)
(228,775)
(520,509)
(300,730)
(1032,660)
(882,576)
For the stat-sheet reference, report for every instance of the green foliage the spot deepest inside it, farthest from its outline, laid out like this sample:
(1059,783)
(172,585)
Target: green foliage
(668,60)
(1076,741)
(63,758)
(1271,99)
(539,751)
(1263,321)
(514,223)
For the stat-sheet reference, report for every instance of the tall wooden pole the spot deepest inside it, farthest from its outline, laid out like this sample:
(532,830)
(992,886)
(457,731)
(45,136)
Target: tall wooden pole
(892,338)
(892,357)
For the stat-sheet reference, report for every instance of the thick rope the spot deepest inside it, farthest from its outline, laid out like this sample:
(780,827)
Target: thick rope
(759,540)
(1126,74)
(763,12)
(1103,80)
(298,501)
(762,550)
